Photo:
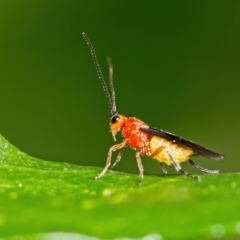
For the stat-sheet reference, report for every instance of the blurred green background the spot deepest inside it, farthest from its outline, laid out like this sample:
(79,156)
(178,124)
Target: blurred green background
(176,67)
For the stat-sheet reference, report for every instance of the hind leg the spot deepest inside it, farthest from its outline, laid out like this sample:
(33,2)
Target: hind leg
(179,168)
(163,168)
(156,152)
(202,168)
(177,165)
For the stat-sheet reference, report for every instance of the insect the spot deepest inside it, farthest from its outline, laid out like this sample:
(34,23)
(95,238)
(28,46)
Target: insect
(165,147)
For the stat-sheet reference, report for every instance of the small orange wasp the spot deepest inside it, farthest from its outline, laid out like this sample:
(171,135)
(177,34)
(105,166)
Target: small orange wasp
(158,144)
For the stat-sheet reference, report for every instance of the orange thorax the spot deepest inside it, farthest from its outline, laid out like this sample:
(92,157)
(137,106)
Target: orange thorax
(135,137)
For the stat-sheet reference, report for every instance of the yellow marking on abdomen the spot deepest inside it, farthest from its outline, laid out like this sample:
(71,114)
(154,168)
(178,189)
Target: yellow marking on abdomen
(160,146)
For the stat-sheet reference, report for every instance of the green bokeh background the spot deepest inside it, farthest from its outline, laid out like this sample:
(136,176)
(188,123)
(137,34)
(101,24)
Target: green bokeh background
(177,67)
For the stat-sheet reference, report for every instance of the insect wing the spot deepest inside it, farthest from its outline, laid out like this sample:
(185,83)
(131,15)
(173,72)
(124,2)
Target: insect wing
(183,142)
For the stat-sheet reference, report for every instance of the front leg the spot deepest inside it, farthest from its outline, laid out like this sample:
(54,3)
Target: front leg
(108,163)
(119,156)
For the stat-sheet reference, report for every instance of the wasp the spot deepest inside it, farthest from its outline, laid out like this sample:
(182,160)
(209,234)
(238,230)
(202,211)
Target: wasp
(165,147)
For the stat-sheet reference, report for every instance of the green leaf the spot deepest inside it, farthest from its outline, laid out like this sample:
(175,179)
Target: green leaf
(46,200)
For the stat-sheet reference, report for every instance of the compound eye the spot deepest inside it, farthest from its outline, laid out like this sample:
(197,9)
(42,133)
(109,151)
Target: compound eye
(115,119)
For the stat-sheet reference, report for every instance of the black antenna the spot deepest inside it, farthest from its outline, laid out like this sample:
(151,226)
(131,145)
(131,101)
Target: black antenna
(100,76)
(110,65)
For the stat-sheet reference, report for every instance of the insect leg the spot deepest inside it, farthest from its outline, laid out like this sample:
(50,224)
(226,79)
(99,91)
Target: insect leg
(140,166)
(202,168)
(179,168)
(108,163)
(177,165)
(163,168)
(119,156)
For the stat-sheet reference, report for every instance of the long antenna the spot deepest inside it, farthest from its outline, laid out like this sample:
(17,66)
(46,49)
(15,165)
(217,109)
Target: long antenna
(110,65)
(100,76)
